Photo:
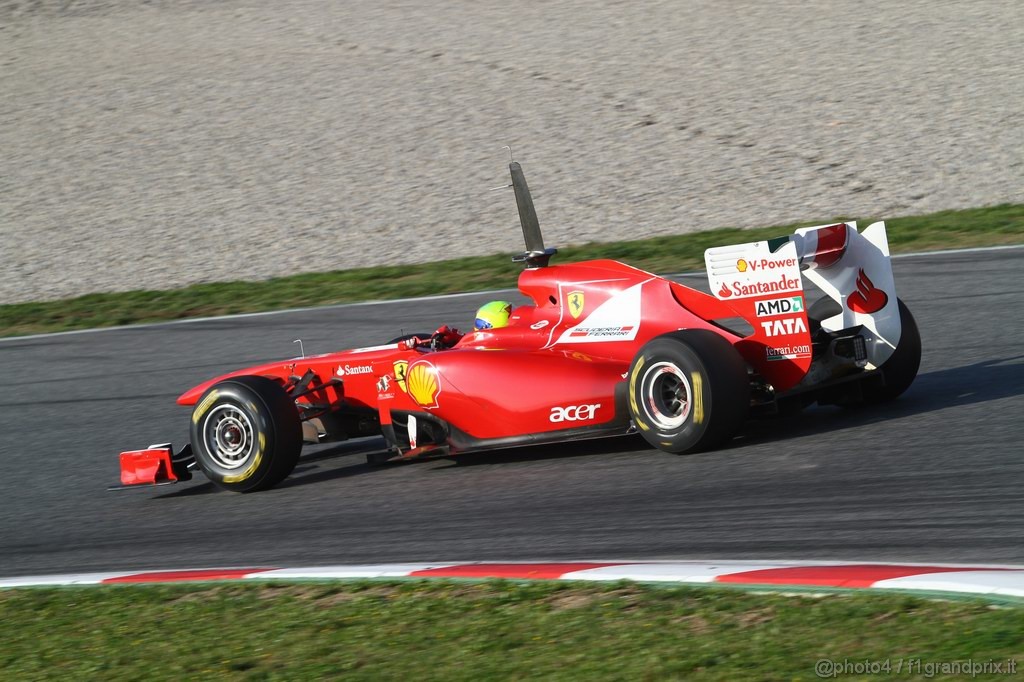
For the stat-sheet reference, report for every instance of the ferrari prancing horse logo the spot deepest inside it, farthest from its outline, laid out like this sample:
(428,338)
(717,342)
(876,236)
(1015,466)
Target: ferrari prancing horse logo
(575,300)
(401,367)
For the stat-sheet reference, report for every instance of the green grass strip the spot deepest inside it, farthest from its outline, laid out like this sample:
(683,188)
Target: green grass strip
(989,226)
(494,630)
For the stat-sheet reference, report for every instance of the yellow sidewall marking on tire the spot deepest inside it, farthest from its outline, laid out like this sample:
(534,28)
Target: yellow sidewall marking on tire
(632,394)
(632,385)
(698,398)
(248,471)
(251,469)
(204,405)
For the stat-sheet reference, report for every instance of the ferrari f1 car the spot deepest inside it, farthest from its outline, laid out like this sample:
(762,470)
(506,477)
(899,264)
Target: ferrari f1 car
(603,349)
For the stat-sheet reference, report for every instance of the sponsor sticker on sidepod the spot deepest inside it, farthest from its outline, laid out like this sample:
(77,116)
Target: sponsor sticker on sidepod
(573,413)
(350,370)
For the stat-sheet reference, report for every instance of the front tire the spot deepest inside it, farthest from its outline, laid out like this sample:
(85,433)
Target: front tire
(688,391)
(246,434)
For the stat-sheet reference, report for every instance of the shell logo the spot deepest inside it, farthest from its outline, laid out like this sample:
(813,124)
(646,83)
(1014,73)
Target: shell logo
(741,265)
(424,384)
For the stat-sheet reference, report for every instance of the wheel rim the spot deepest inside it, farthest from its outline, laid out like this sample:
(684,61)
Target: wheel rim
(666,395)
(228,436)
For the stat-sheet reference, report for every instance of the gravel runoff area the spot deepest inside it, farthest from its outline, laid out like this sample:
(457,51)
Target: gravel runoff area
(157,144)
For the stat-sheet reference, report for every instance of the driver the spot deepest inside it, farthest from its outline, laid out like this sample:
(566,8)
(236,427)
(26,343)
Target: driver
(493,315)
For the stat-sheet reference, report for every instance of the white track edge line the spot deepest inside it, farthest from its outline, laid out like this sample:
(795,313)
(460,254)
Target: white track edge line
(414,299)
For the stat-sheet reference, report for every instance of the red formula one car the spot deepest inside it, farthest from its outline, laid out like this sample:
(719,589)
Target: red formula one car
(604,349)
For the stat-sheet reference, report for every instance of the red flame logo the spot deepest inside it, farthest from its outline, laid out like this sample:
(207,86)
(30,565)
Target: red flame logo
(866,298)
(725,291)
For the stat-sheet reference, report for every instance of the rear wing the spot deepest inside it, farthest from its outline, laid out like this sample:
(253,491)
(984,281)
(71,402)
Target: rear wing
(764,283)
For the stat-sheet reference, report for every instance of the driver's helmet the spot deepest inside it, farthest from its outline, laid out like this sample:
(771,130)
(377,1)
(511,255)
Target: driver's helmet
(493,315)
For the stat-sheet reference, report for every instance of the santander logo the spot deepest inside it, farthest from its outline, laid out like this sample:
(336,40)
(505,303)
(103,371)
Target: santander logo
(866,298)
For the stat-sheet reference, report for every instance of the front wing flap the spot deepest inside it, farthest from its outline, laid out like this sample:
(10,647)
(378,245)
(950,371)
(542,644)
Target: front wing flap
(156,465)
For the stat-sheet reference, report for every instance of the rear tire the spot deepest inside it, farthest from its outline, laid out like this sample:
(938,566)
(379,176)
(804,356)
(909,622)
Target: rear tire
(898,372)
(900,369)
(246,434)
(688,391)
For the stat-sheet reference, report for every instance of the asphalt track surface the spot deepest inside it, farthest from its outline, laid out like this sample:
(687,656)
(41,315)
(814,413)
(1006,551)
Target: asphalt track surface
(935,477)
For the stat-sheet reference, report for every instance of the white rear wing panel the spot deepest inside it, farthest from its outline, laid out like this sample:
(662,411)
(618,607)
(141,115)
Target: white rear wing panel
(851,268)
(860,279)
